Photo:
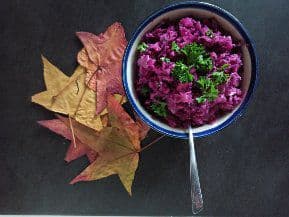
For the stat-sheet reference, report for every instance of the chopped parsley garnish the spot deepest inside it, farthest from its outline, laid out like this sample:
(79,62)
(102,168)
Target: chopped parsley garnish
(223,67)
(160,109)
(210,33)
(201,99)
(182,72)
(175,47)
(145,90)
(219,77)
(208,88)
(198,57)
(142,47)
(165,59)
(204,83)
(203,64)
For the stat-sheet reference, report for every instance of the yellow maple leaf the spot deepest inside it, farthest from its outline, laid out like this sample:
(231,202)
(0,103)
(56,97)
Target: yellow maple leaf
(70,95)
(116,154)
(117,146)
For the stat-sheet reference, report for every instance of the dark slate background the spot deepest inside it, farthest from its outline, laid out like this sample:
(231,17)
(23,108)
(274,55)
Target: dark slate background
(244,169)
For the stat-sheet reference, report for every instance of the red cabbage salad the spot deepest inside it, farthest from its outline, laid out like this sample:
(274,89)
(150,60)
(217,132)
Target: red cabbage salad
(188,73)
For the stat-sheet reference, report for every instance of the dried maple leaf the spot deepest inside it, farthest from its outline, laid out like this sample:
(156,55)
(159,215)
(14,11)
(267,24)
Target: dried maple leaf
(102,57)
(120,119)
(69,95)
(109,137)
(117,156)
(143,127)
(75,150)
(117,146)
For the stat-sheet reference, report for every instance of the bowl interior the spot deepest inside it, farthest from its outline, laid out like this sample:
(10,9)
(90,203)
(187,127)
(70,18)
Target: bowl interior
(131,70)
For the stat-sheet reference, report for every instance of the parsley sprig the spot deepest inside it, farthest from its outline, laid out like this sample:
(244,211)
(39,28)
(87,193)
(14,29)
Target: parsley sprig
(198,57)
(225,66)
(209,86)
(219,77)
(165,59)
(160,109)
(182,72)
(210,33)
(142,47)
(175,47)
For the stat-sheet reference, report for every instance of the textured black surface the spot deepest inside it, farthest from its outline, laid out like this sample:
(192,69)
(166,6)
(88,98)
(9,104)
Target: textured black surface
(244,169)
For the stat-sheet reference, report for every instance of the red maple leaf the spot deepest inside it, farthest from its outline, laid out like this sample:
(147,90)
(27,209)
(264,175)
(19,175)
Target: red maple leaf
(143,127)
(102,57)
(74,150)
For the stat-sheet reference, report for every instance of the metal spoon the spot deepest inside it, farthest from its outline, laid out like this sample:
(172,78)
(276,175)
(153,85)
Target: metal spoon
(196,192)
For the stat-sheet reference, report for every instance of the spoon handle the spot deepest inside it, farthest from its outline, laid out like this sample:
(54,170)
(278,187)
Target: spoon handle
(196,192)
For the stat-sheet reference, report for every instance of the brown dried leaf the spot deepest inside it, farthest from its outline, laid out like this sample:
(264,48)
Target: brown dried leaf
(102,59)
(69,96)
(75,150)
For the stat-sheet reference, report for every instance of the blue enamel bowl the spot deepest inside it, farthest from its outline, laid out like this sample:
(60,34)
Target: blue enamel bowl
(196,10)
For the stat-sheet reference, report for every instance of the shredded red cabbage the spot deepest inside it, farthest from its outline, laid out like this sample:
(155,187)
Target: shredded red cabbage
(188,73)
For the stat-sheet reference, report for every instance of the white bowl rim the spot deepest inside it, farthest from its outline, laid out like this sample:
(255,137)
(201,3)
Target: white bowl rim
(243,32)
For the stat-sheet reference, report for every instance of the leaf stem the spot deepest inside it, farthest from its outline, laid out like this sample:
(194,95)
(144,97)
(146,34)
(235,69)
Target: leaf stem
(150,144)
(72,131)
